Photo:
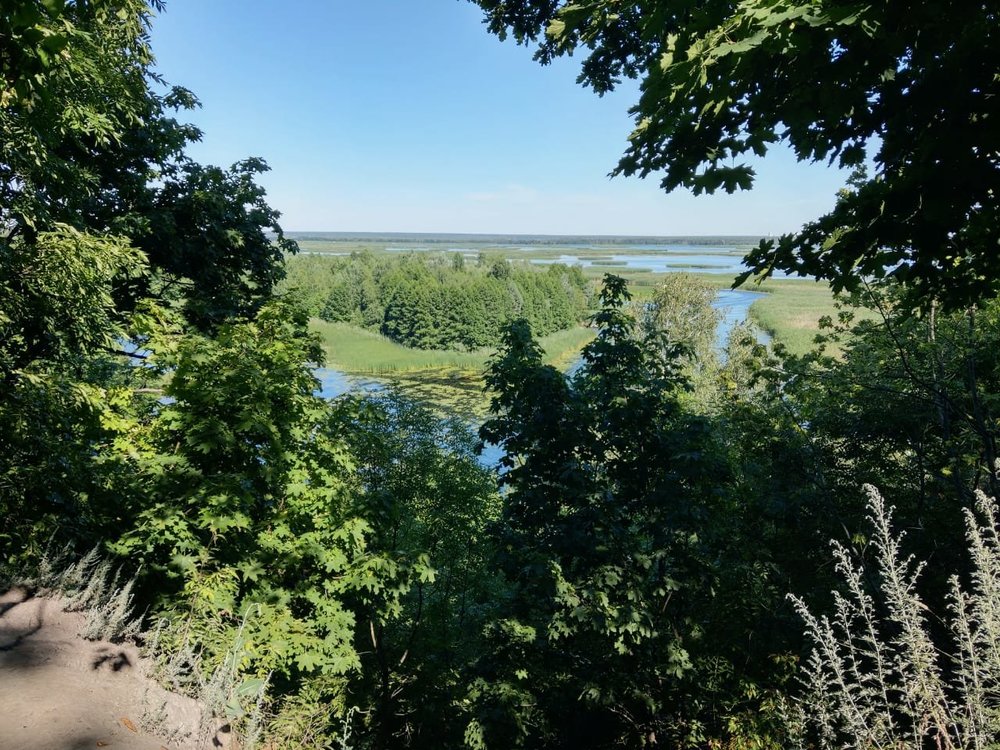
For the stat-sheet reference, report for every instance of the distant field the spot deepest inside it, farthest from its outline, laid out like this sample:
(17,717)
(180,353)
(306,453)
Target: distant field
(599,269)
(642,284)
(515,247)
(792,309)
(355,350)
(543,240)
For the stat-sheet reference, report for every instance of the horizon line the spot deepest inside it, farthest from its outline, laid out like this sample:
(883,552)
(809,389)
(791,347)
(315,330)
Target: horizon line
(545,235)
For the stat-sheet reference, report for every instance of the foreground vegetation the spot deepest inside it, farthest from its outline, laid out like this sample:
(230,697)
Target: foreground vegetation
(623,579)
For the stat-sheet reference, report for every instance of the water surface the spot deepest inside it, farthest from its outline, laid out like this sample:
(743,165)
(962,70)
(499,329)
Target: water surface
(706,260)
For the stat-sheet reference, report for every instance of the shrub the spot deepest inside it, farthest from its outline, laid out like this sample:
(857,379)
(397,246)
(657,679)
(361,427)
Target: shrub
(879,676)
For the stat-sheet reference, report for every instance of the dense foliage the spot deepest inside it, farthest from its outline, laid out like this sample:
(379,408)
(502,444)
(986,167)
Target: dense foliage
(621,580)
(680,313)
(101,215)
(440,301)
(600,542)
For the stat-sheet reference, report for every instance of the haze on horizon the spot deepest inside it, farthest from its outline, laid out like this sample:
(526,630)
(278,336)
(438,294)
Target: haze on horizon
(394,116)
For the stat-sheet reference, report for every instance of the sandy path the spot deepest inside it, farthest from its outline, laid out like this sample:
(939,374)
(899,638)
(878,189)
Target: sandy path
(61,692)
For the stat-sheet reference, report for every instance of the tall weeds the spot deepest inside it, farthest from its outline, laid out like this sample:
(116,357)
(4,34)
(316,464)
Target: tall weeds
(876,677)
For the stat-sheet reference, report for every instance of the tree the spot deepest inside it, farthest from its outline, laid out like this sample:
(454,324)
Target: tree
(57,316)
(427,302)
(234,495)
(910,87)
(600,542)
(425,495)
(72,75)
(88,139)
(681,309)
(100,211)
(908,404)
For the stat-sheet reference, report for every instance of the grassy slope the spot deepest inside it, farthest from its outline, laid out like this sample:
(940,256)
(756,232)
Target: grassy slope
(451,382)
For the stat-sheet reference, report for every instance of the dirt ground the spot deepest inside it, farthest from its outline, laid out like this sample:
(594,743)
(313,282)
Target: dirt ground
(61,692)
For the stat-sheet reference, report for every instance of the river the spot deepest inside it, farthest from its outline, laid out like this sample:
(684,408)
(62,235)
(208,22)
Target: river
(733,303)
(661,259)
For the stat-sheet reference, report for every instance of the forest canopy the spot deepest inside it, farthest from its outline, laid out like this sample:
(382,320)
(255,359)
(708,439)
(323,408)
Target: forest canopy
(441,301)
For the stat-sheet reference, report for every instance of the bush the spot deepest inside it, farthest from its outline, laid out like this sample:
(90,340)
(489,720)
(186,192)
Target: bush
(878,676)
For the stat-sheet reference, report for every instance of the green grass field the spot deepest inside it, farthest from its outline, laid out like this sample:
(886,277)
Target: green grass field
(355,350)
(450,382)
(791,311)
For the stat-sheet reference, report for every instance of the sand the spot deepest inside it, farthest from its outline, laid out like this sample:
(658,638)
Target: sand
(61,692)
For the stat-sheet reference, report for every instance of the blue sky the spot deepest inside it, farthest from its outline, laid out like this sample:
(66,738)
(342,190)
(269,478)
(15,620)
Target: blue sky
(407,116)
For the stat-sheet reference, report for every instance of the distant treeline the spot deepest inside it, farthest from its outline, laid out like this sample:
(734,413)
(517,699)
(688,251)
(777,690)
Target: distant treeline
(572,240)
(440,301)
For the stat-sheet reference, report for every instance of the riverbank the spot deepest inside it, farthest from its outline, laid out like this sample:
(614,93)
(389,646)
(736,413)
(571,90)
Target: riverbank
(452,382)
(789,310)
(362,352)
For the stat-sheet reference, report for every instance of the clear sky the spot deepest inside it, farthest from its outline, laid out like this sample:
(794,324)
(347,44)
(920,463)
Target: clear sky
(408,116)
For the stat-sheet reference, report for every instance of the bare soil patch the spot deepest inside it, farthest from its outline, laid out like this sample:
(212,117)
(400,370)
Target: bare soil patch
(61,692)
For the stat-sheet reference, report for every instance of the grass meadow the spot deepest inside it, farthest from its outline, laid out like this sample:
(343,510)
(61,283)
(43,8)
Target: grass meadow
(355,350)
(450,382)
(792,309)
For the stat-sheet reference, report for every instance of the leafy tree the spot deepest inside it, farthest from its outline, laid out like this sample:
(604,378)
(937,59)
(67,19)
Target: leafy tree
(681,310)
(211,230)
(837,81)
(498,266)
(57,297)
(71,73)
(58,319)
(598,541)
(428,302)
(308,279)
(74,76)
(409,315)
(234,496)
(345,541)
(426,495)
(341,302)
(99,212)
(908,403)
(88,142)
(370,303)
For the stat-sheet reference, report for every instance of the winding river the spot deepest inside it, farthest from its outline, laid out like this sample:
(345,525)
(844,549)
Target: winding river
(733,303)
